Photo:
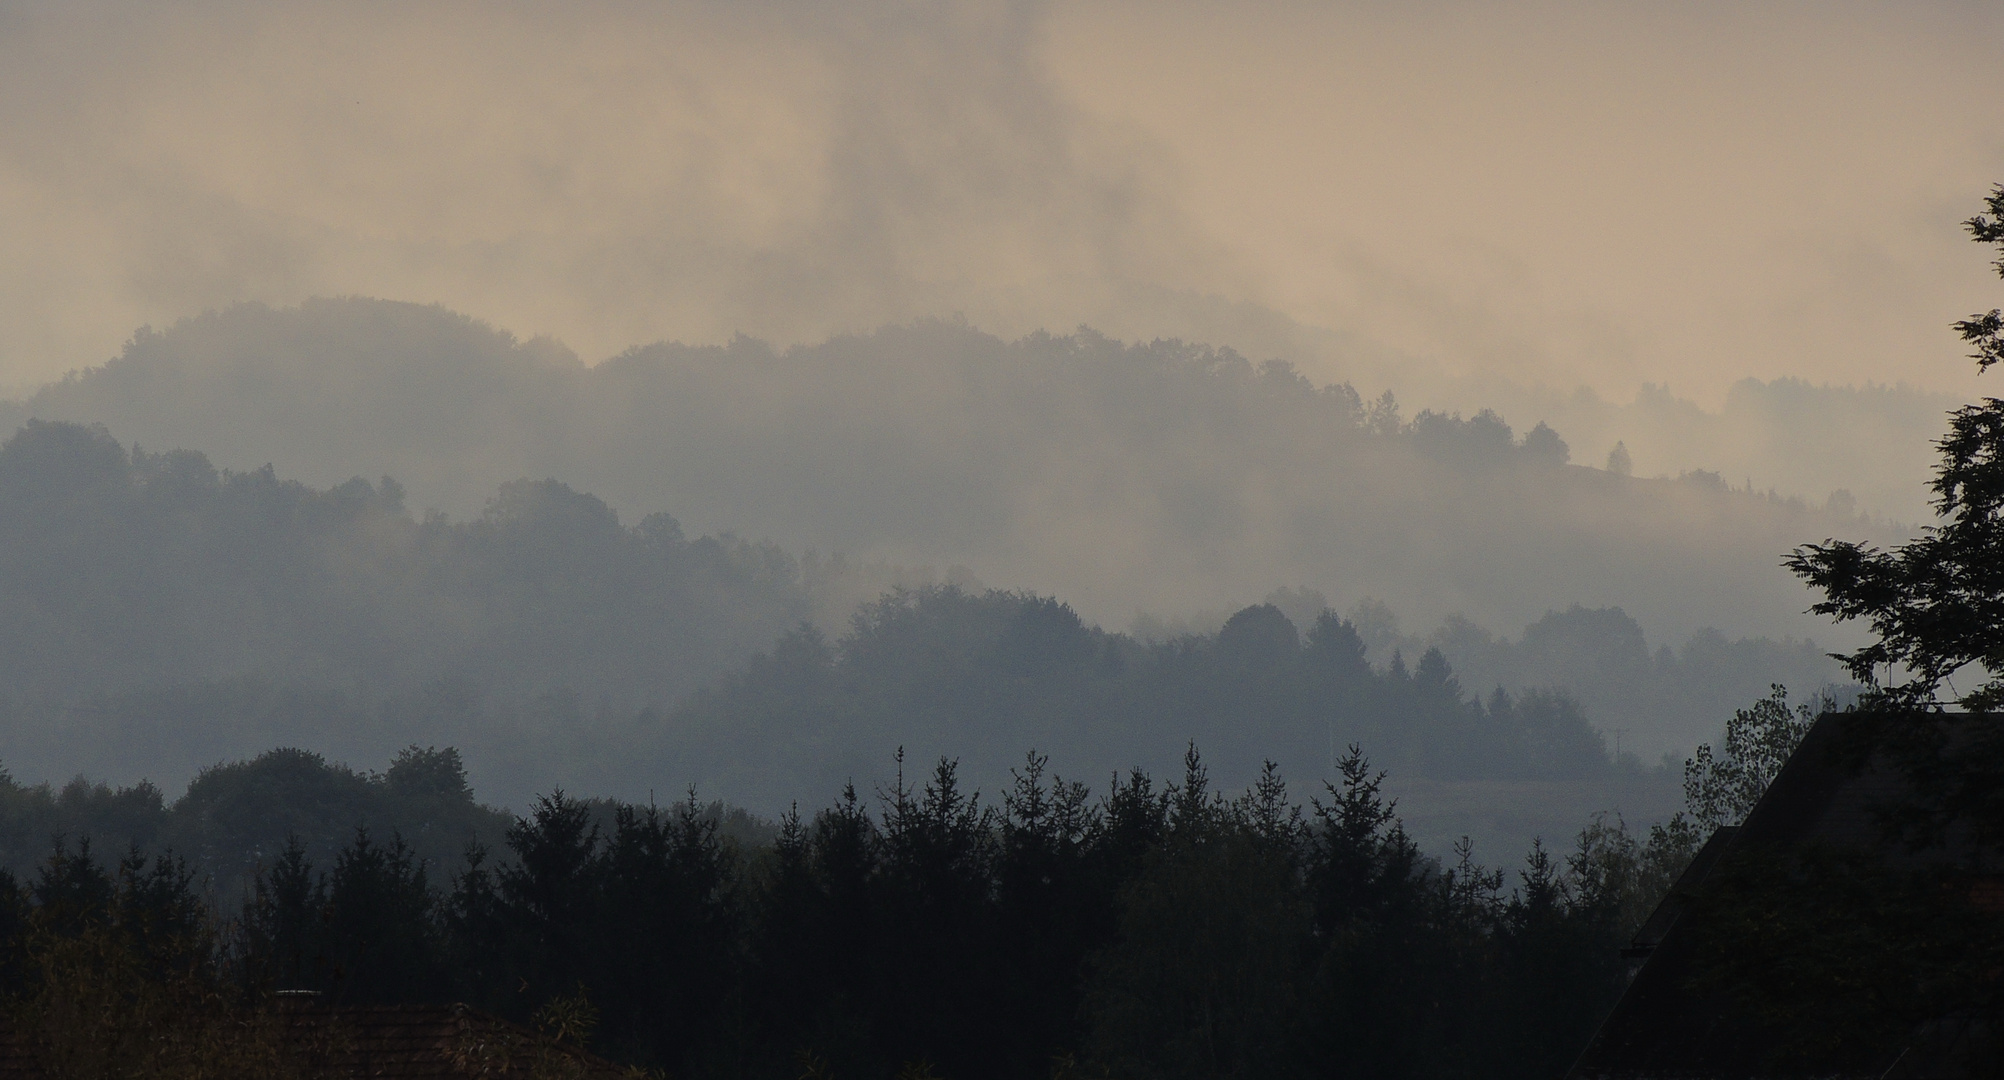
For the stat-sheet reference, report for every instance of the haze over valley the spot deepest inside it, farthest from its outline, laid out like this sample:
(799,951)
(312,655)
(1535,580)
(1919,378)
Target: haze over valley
(1000,539)
(517,380)
(652,571)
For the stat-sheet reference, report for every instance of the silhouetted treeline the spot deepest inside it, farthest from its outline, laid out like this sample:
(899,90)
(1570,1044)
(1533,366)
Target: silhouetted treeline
(942,670)
(237,816)
(1145,930)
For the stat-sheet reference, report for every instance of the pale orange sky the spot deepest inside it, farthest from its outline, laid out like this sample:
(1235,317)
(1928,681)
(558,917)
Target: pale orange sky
(1576,194)
(1591,193)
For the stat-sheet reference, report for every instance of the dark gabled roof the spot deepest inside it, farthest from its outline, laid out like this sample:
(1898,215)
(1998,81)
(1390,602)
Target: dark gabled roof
(1665,916)
(395,1042)
(429,1042)
(1823,796)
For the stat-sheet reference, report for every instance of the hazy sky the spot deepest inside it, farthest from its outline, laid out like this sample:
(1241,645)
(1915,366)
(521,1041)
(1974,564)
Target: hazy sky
(1566,194)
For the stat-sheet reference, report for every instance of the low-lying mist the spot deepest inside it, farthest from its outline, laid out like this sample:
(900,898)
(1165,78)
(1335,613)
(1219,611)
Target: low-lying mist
(1161,478)
(165,615)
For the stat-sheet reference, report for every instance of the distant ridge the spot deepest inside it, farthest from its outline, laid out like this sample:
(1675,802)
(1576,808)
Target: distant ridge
(1160,477)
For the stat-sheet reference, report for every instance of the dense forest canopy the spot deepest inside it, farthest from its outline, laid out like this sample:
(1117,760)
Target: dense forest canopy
(1149,927)
(1161,477)
(941,671)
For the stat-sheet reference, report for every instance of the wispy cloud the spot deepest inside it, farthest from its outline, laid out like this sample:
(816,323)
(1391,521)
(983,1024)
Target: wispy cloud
(1555,194)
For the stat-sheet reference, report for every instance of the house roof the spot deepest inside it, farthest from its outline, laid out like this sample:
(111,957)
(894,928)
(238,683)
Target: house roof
(397,1042)
(432,1042)
(1834,792)
(1672,905)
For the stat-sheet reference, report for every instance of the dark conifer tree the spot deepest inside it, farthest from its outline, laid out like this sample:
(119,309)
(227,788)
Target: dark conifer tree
(380,925)
(1052,909)
(549,898)
(666,936)
(938,869)
(284,926)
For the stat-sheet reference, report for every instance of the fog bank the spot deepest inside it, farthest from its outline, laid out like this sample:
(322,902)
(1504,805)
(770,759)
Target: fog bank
(1163,478)
(1466,206)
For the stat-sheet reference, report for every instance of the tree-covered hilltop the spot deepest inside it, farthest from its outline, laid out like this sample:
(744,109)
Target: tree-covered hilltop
(1652,700)
(123,569)
(941,670)
(1161,476)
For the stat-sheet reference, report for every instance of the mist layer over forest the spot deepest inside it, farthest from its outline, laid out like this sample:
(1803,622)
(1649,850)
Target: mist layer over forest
(996,539)
(168,614)
(1865,448)
(1163,478)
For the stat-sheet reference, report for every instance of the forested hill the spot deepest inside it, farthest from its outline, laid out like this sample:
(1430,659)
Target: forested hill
(1163,478)
(983,677)
(125,569)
